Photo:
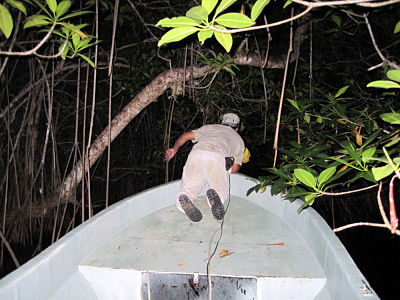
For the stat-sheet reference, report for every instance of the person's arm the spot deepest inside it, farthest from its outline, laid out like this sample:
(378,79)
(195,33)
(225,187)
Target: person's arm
(235,168)
(187,136)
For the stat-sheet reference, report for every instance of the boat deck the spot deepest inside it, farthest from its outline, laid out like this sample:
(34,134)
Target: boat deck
(143,248)
(257,243)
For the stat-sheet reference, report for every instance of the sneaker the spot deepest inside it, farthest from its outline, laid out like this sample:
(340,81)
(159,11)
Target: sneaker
(190,210)
(217,208)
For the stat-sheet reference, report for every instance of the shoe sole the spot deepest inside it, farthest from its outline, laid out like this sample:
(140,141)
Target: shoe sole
(190,210)
(217,208)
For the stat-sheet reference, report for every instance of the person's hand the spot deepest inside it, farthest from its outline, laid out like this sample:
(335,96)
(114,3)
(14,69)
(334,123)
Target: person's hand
(170,153)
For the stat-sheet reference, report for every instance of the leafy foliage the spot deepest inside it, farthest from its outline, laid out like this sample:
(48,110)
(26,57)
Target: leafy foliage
(309,171)
(54,19)
(197,20)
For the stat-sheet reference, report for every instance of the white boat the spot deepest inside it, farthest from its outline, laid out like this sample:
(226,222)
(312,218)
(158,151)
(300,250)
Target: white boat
(144,248)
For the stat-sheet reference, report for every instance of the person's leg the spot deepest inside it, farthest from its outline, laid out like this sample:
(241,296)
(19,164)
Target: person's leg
(217,208)
(191,184)
(218,181)
(187,206)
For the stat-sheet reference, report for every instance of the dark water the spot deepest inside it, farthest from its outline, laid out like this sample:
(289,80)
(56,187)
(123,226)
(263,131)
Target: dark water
(374,250)
(376,253)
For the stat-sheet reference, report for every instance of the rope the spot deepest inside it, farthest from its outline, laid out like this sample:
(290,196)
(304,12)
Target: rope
(210,256)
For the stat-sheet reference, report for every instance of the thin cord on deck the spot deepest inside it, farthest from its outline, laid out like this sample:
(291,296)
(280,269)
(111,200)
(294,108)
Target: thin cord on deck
(216,246)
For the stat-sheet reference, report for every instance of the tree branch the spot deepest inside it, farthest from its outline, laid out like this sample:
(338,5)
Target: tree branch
(65,193)
(383,58)
(33,50)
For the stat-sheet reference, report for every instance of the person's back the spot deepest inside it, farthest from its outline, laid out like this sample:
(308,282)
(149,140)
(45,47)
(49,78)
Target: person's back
(221,139)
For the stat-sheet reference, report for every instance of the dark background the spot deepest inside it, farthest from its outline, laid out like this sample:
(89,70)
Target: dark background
(341,55)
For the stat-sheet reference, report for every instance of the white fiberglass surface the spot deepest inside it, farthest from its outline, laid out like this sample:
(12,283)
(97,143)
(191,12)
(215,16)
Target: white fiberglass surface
(255,242)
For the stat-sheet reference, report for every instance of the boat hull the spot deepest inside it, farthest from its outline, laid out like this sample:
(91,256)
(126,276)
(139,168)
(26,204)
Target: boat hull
(143,243)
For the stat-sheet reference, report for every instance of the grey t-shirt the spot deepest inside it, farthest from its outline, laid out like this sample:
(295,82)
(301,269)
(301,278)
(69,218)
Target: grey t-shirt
(220,139)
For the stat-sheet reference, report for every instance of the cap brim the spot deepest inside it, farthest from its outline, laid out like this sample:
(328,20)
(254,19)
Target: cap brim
(230,124)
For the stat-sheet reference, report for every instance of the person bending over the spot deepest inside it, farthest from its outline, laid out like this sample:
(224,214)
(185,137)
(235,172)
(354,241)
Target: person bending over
(218,151)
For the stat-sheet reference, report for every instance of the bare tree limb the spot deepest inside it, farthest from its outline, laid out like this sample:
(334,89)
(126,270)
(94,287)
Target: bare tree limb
(385,61)
(66,192)
(34,49)
(10,250)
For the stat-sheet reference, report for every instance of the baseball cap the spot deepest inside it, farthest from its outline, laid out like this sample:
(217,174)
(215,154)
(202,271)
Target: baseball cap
(230,119)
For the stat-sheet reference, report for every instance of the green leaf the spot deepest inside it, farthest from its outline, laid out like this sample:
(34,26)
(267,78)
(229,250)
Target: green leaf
(295,144)
(6,22)
(305,177)
(393,75)
(266,180)
(250,190)
(392,118)
(382,172)
(87,59)
(234,20)
(66,30)
(279,173)
(75,39)
(307,118)
(52,5)
(37,20)
(57,32)
(367,154)
(63,8)
(197,13)
(177,34)
(301,208)
(85,44)
(209,5)
(205,34)
(178,22)
(63,55)
(18,5)
(257,8)
(341,91)
(315,150)
(335,18)
(326,175)
(64,49)
(319,120)
(397,27)
(75,14)
(368,176)
(337,176)
(294,104)
(225,39)
(371,138)
(223,5)
(287,3)
(391,143)
(352,152)
(229,70)
(384,84)
(74,28)
(295,192)
(309,199)
(289,153)
(278,187)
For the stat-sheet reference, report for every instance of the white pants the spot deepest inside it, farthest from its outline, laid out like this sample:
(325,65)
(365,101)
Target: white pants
(201,168)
